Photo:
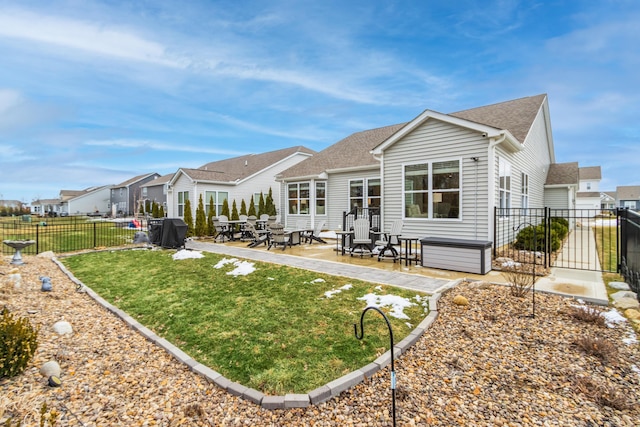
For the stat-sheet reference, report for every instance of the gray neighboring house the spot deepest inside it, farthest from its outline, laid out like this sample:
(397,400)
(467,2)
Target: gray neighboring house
(126,196)
(628,196)
(156,190)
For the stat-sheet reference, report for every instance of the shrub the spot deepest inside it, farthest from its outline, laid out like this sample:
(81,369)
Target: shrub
(596,346)
(560,226)
(525,240)
(588,315)
(603,394)
(18,343)
(520,279)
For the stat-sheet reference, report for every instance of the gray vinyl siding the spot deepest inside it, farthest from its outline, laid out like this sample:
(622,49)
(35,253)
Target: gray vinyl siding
(557,198)
(183,183)
(338,194)
(439,141)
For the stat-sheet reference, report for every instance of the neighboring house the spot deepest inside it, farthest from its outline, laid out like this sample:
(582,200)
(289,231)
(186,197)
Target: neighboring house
(608,200)
(46,207)
(562,185)
(628,196)
(11,204)
(238,179)
(443,174)
(156,190)
(93,200)
(126,196)
(588,196)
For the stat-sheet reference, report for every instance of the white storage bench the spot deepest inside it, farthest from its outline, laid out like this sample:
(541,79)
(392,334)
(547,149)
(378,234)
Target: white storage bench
(469,256)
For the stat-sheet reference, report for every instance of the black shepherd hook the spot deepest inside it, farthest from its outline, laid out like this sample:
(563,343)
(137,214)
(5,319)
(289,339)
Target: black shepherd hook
(393,371)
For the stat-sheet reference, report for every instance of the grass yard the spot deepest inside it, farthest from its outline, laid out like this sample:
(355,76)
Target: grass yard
(606,241)
(273,328)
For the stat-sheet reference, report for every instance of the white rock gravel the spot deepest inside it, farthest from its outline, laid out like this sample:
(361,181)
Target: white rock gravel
(485,364)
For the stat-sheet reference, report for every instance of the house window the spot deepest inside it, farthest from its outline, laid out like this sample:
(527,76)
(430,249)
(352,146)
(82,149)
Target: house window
(435,194)
(183,196)
(321,198)
(588,186)
(298,196)
(218,199)
(144,191)
(504,171)
(358,188)
(525,193)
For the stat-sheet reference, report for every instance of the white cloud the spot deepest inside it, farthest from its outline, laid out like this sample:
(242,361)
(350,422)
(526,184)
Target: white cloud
(91,37)
(161,146)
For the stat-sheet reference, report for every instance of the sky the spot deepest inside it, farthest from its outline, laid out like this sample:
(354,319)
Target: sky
(94,93)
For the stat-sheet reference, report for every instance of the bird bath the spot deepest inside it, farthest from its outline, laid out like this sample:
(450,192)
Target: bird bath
(18,245)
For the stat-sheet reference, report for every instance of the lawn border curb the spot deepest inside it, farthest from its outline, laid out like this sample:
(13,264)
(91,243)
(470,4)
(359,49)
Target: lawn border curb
(319,395)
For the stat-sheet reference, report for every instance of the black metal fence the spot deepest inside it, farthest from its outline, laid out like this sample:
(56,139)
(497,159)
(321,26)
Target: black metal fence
(67,234)
(584,239)
(630,248)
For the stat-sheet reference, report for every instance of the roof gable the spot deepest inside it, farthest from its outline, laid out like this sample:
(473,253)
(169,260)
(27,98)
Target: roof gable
(135,179)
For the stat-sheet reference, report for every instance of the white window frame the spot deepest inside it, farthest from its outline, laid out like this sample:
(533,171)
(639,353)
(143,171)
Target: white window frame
(504,185)
(365,197)
(322,184)
(430,191)
(181,202)
(300,201)
(524,189)
(218,201)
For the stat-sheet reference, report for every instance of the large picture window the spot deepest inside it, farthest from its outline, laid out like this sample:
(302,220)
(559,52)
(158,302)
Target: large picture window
(432,190)
(298,195)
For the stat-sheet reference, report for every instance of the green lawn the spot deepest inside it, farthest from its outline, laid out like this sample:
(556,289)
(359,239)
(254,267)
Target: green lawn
(606,241)
(273,329)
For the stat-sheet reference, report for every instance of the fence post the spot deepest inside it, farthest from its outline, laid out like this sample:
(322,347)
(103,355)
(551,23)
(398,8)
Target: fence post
(621,220)
(95,237)
(37,238)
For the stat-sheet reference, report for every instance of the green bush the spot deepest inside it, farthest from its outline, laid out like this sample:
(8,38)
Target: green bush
(561,226)
(18,343)
(525,241)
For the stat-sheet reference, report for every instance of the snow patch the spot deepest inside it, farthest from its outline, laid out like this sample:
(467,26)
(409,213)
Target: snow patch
(242,267)
(331,293)
(397,304)
(185,254)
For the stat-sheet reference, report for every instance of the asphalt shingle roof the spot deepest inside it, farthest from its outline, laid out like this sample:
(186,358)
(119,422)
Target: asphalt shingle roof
(628,192)
(516,116)
(590,172)
(241,167)
(562,174)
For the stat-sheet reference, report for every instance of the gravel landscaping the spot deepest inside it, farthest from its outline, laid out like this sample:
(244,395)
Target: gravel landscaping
(487,363)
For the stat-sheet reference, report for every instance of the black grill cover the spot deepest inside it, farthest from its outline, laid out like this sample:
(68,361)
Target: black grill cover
(174,231)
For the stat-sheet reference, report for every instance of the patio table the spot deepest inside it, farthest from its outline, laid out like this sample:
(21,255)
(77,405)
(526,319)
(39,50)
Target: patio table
(408,243)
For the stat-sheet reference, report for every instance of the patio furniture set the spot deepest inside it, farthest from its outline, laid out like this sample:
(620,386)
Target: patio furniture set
(266,230)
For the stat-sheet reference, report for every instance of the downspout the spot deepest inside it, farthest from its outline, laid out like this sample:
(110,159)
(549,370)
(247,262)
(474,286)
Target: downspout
(379,158)
(491,168)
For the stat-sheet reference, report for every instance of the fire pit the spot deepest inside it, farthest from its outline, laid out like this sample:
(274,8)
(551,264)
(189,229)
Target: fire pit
(18,245)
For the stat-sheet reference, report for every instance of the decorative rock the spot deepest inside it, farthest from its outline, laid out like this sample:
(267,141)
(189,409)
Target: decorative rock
(62,328)
(46,284)
(47,254)
(50,368)
(627,303)
(621,286)
(632,314)
(460,300)
(624,294)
